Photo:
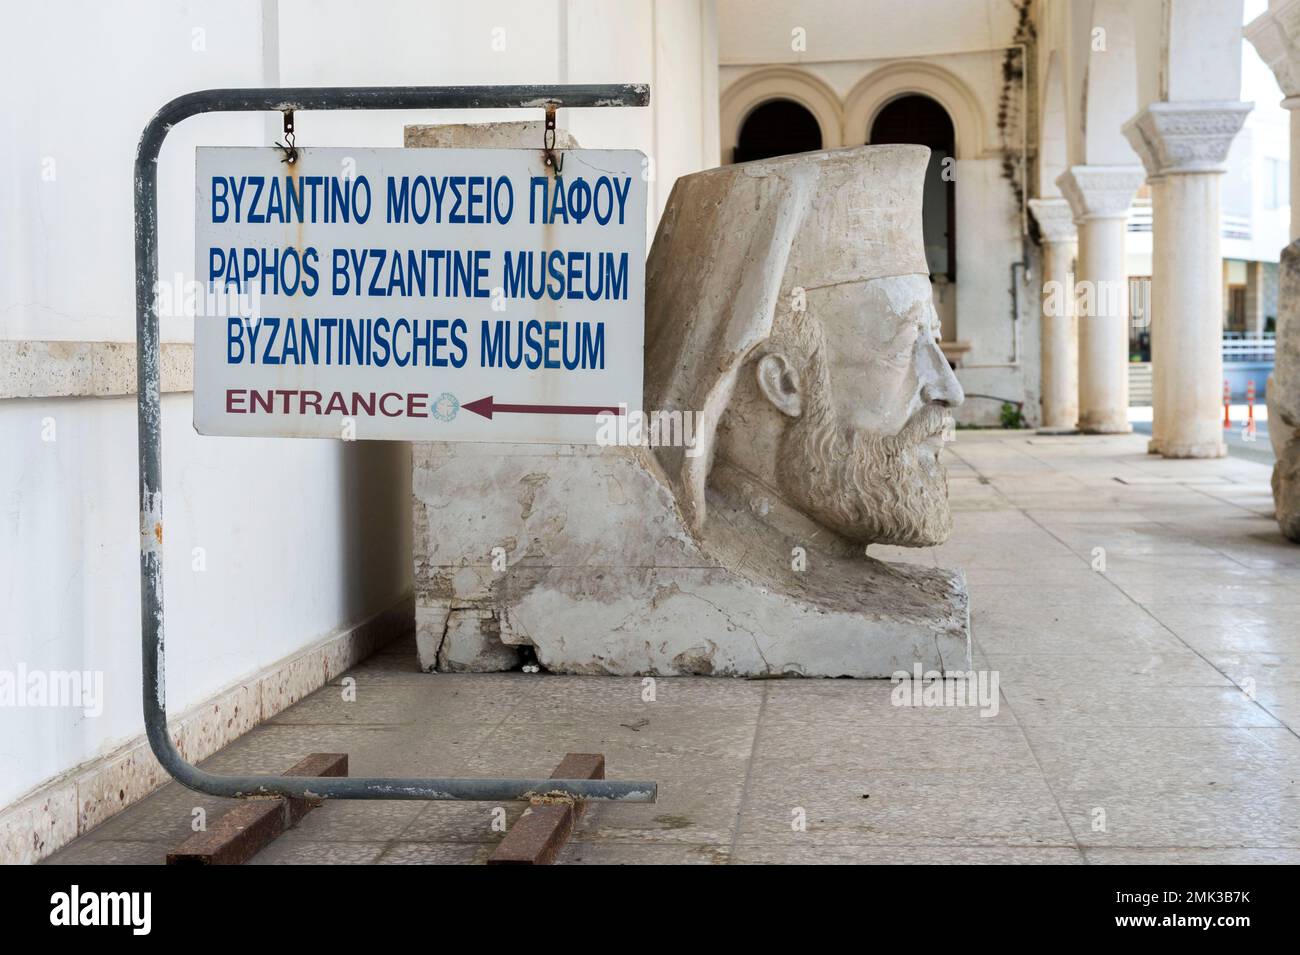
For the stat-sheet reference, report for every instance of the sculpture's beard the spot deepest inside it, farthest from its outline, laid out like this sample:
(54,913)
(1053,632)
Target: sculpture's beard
(868,487)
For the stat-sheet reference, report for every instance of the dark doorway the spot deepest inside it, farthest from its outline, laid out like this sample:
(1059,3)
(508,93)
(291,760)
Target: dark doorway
(920,120)
(777,128)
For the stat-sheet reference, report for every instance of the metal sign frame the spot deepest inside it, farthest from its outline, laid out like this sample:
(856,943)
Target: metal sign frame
(149,410)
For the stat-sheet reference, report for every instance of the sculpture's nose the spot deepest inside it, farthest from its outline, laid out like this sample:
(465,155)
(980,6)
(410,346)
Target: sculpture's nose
(938,383)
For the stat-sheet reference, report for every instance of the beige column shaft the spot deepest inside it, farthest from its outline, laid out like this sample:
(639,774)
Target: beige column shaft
(1183,146)
(1100,197)
(1159,279)
(1059,358)
(1103,327)
(1187,334)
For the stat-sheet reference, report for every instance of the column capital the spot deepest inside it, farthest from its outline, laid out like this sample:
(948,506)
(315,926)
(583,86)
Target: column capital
(1055,219)
(1100,192)
(1275,34)
(1186,137)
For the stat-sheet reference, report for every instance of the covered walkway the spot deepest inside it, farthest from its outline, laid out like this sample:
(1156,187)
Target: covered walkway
(1141,616)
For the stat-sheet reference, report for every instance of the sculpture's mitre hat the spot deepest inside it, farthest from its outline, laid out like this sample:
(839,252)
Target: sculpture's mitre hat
(733,245)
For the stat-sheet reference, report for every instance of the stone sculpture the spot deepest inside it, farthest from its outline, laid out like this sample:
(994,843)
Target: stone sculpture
(798,402)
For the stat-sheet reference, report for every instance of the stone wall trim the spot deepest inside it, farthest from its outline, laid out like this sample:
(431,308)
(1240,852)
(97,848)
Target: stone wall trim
(77,369)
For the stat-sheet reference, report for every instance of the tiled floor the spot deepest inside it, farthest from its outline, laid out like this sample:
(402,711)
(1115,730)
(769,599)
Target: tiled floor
(1148,712)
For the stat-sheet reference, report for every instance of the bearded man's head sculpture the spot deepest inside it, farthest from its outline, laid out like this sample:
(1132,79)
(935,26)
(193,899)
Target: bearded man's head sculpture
(790,307)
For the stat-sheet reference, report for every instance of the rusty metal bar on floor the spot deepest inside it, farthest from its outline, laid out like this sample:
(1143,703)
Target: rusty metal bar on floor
(149,410)
(251,826)
(540,833)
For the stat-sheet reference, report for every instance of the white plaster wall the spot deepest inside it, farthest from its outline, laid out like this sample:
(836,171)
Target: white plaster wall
(759,31)
(301,538)
(80,81)
(670,44)
(988,231)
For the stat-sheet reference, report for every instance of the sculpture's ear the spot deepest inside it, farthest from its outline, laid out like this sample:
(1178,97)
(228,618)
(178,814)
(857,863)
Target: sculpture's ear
(778,380)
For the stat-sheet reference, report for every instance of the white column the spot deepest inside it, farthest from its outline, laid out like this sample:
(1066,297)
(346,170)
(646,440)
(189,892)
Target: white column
(1183,146)
(1159,278)
(1100,197)
(1060,331)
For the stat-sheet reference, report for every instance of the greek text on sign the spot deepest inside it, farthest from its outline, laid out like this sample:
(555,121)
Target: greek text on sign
(418,294)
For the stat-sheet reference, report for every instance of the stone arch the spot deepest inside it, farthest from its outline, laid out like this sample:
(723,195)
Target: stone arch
(881,87)
(1110,86)
(1053,129)
(754,89)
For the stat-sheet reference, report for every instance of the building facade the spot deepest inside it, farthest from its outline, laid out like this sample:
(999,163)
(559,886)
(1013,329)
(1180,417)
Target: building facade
(1087,155)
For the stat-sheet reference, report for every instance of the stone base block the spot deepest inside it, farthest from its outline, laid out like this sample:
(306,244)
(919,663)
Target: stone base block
(668,621)
(586,561)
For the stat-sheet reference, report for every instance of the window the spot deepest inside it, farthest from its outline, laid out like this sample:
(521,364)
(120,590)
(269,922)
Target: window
(777,128)
(919,119)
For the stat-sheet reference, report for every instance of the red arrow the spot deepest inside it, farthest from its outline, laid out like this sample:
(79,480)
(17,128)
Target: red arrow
(487,408)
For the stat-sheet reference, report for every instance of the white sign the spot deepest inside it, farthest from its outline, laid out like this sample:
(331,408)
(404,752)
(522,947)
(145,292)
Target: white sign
(418,294)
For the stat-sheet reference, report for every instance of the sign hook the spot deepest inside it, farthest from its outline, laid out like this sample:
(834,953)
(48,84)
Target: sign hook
(290,150)
(550,156)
